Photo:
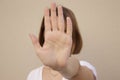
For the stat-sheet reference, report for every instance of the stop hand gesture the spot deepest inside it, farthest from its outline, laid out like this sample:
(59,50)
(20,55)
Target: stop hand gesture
(57,46)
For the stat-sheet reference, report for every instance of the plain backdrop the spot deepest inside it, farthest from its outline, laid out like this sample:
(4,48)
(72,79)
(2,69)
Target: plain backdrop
(99,24)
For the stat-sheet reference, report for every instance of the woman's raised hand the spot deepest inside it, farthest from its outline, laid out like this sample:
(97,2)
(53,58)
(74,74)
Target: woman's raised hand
(57,46)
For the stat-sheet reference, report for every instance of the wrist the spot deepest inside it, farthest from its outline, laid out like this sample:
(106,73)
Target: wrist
(71,69)
(76,74)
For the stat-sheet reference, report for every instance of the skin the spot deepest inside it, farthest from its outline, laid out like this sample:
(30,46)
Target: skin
(55,52)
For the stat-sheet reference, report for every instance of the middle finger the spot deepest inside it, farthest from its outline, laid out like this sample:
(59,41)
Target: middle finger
(53,16)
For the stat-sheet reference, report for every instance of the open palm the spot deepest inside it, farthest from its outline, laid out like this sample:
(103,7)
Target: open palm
(57,45)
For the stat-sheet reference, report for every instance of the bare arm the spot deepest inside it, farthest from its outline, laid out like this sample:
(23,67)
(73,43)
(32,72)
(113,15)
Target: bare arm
(57,46)
(74,71)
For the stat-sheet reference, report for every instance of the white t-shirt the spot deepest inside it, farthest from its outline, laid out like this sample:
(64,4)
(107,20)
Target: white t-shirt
(36,74)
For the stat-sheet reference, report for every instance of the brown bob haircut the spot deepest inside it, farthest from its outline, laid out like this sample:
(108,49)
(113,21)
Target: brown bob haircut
(76,37)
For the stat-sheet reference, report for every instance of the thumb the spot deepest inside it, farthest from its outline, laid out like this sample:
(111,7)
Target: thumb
(35,41)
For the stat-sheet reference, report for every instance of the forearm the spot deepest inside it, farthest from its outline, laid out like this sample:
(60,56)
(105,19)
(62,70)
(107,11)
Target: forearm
(74,71)
(84,74)
(71,68)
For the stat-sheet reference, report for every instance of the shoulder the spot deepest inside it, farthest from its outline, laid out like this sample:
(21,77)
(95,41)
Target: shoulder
(35,74)
(90,66)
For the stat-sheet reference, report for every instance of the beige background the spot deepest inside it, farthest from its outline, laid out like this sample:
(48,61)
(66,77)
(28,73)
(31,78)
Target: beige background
(99,22)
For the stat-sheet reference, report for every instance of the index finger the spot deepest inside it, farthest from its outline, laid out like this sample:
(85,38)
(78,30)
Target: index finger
(47,20)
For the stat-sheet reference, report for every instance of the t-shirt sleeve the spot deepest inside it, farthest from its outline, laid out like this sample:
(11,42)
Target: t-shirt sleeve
(91,67)
(34,74)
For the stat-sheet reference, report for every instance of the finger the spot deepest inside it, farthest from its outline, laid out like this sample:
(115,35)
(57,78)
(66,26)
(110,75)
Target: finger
(69,26)
(53,16)
(47,20)
(35,41)
(61,24)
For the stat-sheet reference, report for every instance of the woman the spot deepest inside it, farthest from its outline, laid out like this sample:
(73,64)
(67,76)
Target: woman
(59,39)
